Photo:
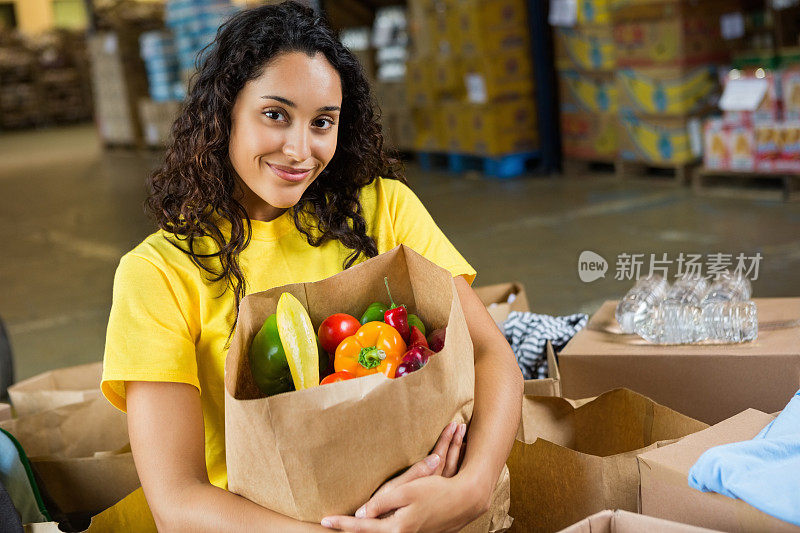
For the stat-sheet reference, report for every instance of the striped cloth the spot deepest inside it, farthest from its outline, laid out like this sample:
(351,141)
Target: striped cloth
(528,333)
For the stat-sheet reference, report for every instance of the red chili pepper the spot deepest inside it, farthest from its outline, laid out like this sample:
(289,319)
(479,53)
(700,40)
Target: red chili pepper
(416,338)
(397,316)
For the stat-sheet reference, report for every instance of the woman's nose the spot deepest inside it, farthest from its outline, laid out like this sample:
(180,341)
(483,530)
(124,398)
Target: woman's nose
(297,143)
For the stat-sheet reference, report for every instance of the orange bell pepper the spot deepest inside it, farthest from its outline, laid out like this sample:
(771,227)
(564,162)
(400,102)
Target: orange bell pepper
(375,348)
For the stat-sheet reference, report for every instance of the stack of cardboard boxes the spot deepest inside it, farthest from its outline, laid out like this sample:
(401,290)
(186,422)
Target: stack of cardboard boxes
(585,61)
(470,77)
(667,57)
(18,97)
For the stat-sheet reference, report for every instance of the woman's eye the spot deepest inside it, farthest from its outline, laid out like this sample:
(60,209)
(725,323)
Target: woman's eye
(323,123)
(274,115)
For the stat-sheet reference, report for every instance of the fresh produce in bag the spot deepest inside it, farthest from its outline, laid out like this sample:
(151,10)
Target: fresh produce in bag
(294,452)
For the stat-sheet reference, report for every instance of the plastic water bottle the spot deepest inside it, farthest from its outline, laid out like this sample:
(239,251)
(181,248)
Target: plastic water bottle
(645,294)
(730,322)
(672,322)
(687,290)
(728,288)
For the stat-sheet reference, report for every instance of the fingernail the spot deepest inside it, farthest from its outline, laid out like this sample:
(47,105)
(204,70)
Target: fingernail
(462,430)
(452,427)
(326,522)
(362,512)
(432,460)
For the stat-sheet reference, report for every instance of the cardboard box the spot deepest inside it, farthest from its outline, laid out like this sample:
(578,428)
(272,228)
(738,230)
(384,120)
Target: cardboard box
(790,90)
(549,386)
(585,48)
(391,96)
(419,82)
(459,138)
(492,14)
(591,136)
(670,33)
(665,492)
(660,140)
(768,109)
(625,522)
(502,128)
(716,137)
(474,35)
(587,92)
(741,147)
(507,74)
(668,90)
(709,383)
(789,160)
(502,298)
(429,131)
(55,388)
(5,412)
(574,459)
(768,145)
(80,452)
(447,77)
(157,119)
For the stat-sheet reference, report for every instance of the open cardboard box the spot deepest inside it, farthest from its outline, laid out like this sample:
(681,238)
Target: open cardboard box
(55,388)
(625,522)
(575,458)
(665,492)
(707,382)
(81,454)
(495,298)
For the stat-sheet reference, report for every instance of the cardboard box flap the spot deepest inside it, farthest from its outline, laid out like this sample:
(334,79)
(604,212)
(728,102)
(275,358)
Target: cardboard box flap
(55,388)
(550,386)
(495,298)
(615,422)
(620,521)
(680,457)
(66,432)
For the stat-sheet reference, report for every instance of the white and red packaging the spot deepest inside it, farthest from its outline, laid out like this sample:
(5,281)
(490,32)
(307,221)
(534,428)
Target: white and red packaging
(741,147)
(789,160)
(768,141)
(716,153)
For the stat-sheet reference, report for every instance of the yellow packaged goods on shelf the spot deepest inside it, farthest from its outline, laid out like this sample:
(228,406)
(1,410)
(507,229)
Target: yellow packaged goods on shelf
(586,48)
(502,128)
(662,140)
(447,77)
(593,12)
(504,74)
(459,134)
(587,92)
(672,33)
(670,91)
(419,82)
(590,136)
(475,39)
(494,13)
(429,130)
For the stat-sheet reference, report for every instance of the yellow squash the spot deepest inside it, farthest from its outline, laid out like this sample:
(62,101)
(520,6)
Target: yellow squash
(299,341)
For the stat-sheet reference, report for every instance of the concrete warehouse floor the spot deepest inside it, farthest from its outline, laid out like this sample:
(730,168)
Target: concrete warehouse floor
(68,211)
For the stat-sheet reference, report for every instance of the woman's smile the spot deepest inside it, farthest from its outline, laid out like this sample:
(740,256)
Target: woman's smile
(291,174)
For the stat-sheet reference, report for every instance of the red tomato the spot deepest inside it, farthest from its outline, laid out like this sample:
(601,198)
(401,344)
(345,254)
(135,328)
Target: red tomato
(342,375)
(335,329)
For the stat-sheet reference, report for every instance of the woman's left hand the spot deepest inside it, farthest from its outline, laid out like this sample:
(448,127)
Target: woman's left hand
(431,503)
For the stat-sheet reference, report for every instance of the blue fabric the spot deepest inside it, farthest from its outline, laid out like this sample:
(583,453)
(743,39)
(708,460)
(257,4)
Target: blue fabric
(764,472)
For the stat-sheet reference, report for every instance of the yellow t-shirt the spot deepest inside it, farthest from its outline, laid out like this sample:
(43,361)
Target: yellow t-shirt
(169,323)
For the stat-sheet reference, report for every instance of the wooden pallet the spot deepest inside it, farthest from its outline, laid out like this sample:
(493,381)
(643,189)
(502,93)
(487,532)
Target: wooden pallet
(501,167)
(681,174)
(752,185)
(576,167)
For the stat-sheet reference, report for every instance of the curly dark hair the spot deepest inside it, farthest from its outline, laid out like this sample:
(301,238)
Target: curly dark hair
(196,185)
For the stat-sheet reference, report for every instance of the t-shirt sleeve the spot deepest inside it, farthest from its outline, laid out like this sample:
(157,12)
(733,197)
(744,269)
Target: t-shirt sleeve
(414,227)
(150,333)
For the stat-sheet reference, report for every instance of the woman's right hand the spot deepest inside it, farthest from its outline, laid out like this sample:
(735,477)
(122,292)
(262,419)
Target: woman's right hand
(444,460)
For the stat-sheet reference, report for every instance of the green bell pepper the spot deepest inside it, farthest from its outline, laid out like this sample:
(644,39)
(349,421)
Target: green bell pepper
(414,320)
(268,360)
(374,313)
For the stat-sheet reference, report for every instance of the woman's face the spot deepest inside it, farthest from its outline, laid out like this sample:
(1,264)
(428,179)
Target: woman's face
(284,126)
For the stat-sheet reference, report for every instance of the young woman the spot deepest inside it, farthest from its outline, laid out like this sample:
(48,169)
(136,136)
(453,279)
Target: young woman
(277,175)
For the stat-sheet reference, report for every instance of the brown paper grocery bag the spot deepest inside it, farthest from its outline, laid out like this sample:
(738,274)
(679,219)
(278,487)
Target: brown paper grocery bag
(324,451)
(55,388)
(573,459)
(81,454)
